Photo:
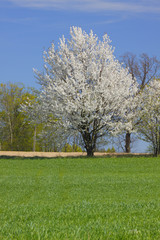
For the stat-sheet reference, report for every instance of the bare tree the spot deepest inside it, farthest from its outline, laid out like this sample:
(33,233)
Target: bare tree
(143,70)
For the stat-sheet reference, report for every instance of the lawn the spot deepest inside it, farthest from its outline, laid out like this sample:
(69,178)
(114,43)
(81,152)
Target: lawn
(80,198)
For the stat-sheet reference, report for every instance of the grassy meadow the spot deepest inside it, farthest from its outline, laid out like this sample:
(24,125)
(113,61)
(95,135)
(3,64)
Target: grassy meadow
(80,198)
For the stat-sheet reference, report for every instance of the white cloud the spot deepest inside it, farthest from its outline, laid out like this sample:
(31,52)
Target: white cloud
(141,6)
(17,20)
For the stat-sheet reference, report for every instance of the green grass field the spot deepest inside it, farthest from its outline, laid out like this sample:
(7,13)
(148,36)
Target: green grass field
(80,198)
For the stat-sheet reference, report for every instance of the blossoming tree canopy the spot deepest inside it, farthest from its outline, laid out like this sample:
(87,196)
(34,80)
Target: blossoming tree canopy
(149,114)
(86,87)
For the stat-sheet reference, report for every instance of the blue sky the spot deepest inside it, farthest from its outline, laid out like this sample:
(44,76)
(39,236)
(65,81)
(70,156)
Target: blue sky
(27,28)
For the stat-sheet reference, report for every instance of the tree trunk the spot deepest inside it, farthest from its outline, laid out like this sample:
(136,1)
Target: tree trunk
(11,134)
(90,152)
(156,151)
(157,140)
(128,142)
(34,139)
(90,143)
(157,144)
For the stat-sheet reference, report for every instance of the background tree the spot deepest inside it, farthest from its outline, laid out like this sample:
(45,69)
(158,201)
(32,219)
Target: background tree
(86,87)
(15,132)
(143,70)
(71,148)
(149,115)
(32,112)
(120,141)
(47,136)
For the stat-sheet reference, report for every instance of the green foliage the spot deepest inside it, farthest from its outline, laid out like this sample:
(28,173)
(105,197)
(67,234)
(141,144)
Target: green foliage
(76,148)
(22,130)
(71,148)
(16,132)
(67,148)
(111,150)
(80,198)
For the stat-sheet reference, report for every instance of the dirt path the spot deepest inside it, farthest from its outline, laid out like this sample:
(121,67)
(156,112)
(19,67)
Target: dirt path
(59,154)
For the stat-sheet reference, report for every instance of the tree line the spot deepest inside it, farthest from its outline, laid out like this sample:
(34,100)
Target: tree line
(86,98)
(18,132)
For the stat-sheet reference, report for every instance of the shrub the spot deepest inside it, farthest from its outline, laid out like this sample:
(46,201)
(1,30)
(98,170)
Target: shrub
(71,148)
(111,150)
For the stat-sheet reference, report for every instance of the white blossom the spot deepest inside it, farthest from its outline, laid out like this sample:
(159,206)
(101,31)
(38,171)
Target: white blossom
(86,87)
(149,114)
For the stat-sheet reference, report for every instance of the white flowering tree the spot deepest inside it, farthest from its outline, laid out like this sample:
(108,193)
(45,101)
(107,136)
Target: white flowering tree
(143,69)
(149,115)
(86,87)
